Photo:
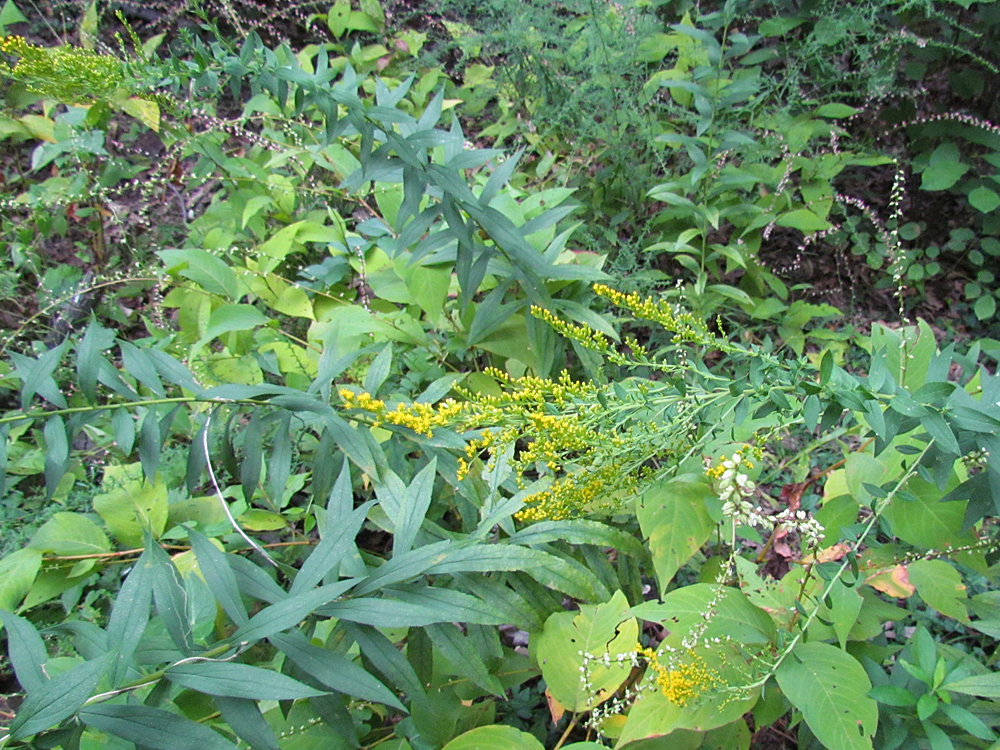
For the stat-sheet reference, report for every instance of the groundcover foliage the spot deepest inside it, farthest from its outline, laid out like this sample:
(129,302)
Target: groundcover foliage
(369,443)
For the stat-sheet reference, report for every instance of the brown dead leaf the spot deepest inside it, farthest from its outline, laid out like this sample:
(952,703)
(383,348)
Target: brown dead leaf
(556,709)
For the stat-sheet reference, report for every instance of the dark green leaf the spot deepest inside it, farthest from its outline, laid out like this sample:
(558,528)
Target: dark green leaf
(253,443)
(288,612)
(59,699)
(171,597)
(219,576)
(235,680)
(130,615)
(386,658)
(26,650)
(153,728)
(244,718)
(462,655)
(333,670)
(56,453)
(337,541)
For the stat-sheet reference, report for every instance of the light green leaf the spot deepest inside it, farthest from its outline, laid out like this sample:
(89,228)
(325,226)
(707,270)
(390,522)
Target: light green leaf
(496,737)
(983,199)
(982,685)
(830,688)
(70,534)
(10,14)
(208,271)
(674,517)
(605,629)
(233,318)
(835,111)
(130,505)
(940,586)
(804,220)
(985,307)
(17,574)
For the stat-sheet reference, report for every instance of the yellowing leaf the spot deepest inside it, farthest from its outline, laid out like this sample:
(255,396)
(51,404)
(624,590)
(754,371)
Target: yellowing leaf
(598,631)
(129,504)
(895,582)
(145,111)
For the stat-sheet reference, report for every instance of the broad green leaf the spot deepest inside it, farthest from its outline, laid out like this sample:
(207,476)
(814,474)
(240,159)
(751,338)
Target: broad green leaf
(830,688)
(674,518)
(130,505)
(940,586)
(210,272)
(944,168)
(153,727)
(236,680)
(10,14)
(985,307)
(599,631)
(26,650)
(17,574)
(334,670)
(58,699)
(88,355)
(497,737)
(461,653)
(233,318)
(983,199)
(920,518)
(804,220)
(706,704)
(70,534)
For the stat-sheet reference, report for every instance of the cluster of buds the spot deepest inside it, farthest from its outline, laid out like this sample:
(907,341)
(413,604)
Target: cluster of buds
(736,491)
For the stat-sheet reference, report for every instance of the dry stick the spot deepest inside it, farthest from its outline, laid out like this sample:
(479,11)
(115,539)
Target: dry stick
(178,547)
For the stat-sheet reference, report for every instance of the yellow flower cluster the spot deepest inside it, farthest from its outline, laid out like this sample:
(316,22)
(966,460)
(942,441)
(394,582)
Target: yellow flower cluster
(683,325)
(570,496)
(684,682)
(421,418)
(529,389)
(66,74)
(583,334)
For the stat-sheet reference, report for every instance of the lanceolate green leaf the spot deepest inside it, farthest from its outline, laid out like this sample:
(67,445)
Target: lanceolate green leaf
(288,612)
(171,597)
(337,540)
(153,728)
(58,699)
(236,680)
(333,670)
(244,718)
(462,655)
(386,658)
(27,651)
(130,615)
(219,576)
(830,688)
